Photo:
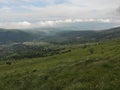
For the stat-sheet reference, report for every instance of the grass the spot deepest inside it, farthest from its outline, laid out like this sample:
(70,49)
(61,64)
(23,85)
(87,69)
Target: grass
(76,70)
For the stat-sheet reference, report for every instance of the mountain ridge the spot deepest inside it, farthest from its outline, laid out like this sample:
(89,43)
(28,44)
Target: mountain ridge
(17,35)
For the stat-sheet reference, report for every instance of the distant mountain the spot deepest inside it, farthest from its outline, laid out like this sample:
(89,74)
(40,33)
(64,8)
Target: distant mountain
(83,36)
(13,35)
(54,36)
(65,37)
(108,34)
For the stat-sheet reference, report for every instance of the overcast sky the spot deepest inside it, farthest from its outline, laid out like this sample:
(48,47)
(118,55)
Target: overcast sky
(44,13)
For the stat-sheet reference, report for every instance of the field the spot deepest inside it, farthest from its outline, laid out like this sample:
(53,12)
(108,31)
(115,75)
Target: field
(86,67)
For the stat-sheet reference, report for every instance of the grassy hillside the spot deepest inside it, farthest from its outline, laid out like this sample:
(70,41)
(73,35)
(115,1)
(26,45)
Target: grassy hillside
(91,67)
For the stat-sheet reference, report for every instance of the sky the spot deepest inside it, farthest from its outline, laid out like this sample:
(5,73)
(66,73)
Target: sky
(53,13)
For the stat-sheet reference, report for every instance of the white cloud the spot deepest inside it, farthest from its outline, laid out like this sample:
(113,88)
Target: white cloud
(54,14)
(15,25)
(70,9)
(104,20)
(25,23)
(54,23)
(5,9)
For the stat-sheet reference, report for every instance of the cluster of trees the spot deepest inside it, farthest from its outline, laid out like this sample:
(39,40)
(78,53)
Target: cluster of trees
(19,51)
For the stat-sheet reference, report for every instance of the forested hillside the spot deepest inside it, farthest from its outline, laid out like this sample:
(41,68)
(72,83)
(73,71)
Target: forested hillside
(13,35)
(60,37)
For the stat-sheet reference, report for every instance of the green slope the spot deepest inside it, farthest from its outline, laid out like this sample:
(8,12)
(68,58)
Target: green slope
(95,67)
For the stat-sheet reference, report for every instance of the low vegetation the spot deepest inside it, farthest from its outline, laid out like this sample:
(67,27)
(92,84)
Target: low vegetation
(82,67)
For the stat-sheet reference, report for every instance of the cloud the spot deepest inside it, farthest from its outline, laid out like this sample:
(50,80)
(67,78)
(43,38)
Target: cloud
(35,13)
(104,20)
(1,1)
(52,23)
(25,23)
(31,2)
(118,10)
(15,25)
(115,14)
(63,11)
(5,9)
